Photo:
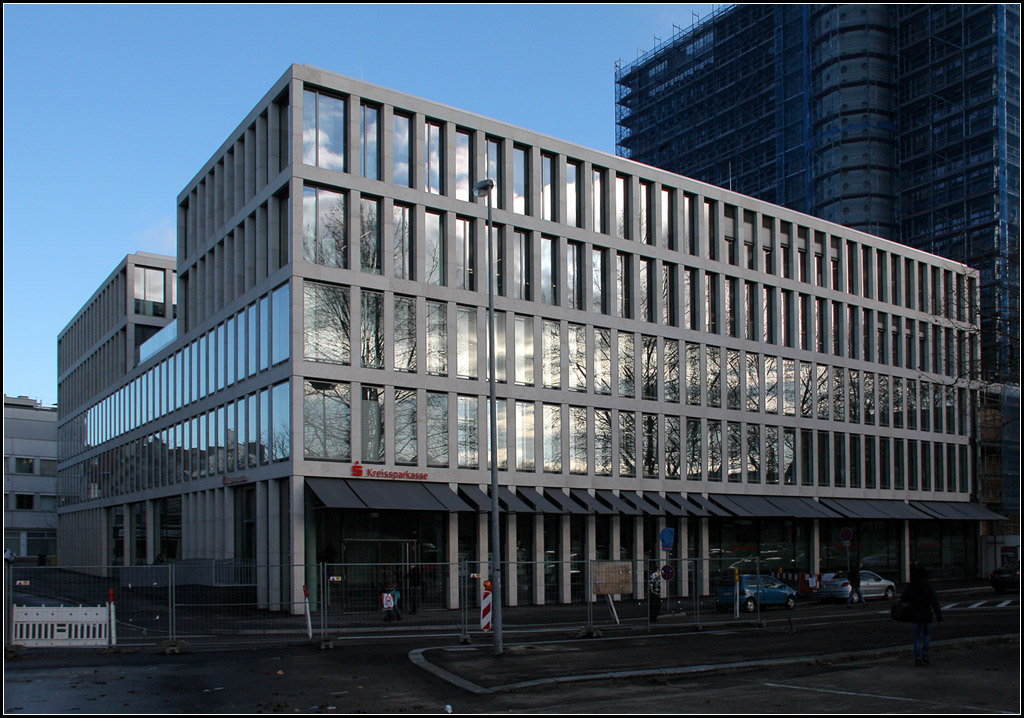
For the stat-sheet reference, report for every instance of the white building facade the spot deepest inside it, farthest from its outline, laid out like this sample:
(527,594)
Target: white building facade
(669,354)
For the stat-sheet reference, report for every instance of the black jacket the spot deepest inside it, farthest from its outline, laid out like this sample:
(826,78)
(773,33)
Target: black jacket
(924,602)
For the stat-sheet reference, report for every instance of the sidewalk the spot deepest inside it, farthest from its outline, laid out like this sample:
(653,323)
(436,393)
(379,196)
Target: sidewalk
(680,652)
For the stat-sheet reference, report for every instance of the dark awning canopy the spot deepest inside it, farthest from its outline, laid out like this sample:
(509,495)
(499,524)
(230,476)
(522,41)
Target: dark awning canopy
(957,510)
(642,504)
(592,505)
(689,507)
(800,507)
(335,493)
(475,497)
(536,499)
(447,497)
(400,495)
(667,507)
(710,507)
(567,505)
(511,502)
(620,506)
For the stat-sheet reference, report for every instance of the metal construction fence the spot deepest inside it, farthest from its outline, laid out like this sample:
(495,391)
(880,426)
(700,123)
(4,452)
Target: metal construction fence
(210,602)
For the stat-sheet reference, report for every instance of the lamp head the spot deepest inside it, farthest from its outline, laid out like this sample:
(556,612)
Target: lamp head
(483,187)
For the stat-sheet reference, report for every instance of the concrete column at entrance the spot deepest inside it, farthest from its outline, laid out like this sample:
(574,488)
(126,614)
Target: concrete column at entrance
(511,576)
(453,560)
(705,554)
(483,530)
(228,523)
(262,556)
(296,527)
(639,576)
(815,546)
(565,577)
(685,567)
(591,554)
(906,550)
(274,557)
(151,531)
(128,535)
(217,524)
(538,559)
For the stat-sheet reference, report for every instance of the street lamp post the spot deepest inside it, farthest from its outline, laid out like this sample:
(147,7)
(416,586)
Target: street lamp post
(482,188)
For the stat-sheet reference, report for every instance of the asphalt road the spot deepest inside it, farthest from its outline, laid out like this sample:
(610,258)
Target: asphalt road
(817,658)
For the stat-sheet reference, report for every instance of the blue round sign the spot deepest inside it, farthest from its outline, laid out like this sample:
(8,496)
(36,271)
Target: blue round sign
(667,572)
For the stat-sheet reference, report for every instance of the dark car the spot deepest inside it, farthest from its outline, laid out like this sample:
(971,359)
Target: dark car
(1006,578)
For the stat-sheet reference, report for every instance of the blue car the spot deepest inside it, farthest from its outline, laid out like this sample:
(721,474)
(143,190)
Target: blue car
(755,590)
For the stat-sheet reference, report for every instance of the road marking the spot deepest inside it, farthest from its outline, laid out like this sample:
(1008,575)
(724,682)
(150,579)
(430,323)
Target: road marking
(979,603)
(873,695)
(1004,604)
(846,693)
(946,608)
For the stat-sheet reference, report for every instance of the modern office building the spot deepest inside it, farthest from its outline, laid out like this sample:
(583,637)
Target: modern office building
(30,478)
(669,354)
(899,120)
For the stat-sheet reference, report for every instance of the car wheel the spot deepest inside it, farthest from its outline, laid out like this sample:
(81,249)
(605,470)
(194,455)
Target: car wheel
(790,602)
(890,593)
(750,605)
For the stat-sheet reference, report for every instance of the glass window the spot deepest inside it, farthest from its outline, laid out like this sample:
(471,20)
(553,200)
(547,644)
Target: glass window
(597,185)
(469,432)
(372,425)
(520,181)
(463,166)
(402,250)
(622,217)
(524,350)
(466,339)
(577,349)
(549,270)
(694,454)
(281,439)
(326,336)
(627,443)
(281,326)
(369,235)
(547,179)
(649,437)
(551,351)
(501,425)
(372,329)
(525,452)
(602,442)
(406,445)
(402,135)
(553,438)
(405,333)
(323,131)
(578,454)
(626,365)
(433,155)
(437,338)
(573,215)
(327,421)
(325,239)
(437,429)
(599,300)
(522,265)
(369,136)
(435,271)
(494,170)
(465,254)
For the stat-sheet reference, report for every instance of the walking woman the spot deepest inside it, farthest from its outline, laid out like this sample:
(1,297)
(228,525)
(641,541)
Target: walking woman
(924,603)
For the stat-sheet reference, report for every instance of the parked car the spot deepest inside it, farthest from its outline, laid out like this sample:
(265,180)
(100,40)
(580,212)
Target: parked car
(871,586)
(1006,578)
(754,590)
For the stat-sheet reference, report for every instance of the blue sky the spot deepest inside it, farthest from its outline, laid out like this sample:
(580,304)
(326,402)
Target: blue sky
(110,110)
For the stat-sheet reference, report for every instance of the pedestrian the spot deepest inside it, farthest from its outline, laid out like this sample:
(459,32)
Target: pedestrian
(389,600)
(854,579)
(654,595)
(924,603)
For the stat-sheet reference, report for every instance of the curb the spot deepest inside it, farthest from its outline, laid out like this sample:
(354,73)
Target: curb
(417,657)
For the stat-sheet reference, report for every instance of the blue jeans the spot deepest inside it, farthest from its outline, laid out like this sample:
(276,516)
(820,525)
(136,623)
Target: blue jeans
(922,640)
(853,590)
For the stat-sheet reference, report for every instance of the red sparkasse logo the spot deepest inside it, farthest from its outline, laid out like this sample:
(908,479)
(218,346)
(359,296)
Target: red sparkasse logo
(357,469)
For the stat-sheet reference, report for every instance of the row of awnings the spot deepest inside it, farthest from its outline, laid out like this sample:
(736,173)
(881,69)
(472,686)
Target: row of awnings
(418,496)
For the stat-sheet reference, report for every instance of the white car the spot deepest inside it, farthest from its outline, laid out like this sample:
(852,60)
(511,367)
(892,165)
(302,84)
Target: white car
(837,587)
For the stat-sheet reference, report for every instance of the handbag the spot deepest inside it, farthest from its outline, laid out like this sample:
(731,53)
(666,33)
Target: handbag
(901,611)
